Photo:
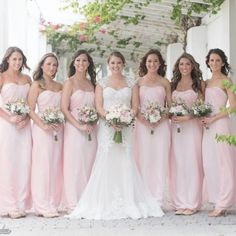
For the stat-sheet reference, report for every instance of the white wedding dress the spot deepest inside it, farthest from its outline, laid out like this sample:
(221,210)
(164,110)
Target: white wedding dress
(115,189)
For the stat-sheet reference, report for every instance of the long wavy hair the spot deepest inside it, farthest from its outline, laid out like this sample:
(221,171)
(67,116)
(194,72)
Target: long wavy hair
(196,74)
(91,68)
(143,69)
(224,69)
(4,64)
(38,73)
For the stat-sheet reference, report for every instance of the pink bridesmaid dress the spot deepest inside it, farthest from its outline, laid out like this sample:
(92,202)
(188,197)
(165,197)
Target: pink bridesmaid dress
(47,172)
(186,173)
(152,150)
(79,152)
(218,157)
(15,157)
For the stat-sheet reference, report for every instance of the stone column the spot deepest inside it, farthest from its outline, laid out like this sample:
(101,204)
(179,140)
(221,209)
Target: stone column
(173,52)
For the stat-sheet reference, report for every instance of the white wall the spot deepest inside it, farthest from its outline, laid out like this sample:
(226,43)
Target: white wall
(20,27)
(173,53)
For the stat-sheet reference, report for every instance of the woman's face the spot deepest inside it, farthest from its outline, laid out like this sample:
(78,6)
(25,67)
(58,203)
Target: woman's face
(215,62)
(15,61)
(185,67)
(49,67)
(152,63)
(81,63)
(116,65)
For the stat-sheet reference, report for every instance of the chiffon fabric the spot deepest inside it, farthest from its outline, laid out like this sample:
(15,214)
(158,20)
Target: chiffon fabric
(152,150)
(115,189)
(186,174)
(47,162)
(79,152)
(218,157)
(15,156)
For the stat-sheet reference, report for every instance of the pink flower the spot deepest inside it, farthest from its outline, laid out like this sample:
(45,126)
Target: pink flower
(56,27)
(103,31)
(83,38)
(97,19)
(82,26)
(42,28)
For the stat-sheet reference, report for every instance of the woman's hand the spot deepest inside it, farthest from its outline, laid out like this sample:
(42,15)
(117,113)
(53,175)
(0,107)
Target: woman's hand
(87,128)
(117,127)
(50,127)
(180,119)
(21,124)
(15,119)
(207,121)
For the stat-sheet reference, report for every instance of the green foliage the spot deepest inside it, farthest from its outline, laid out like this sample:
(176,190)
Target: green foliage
(230,139)
(99,13)
(209,6)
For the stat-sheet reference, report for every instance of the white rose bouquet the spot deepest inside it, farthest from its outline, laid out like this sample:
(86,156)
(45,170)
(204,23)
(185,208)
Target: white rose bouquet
(201,109)
(152,112)
(18,107)
(179,108)
(53,115)
(119,116)
(87,115)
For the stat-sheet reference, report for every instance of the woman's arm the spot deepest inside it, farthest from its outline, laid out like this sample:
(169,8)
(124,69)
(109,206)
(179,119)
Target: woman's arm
(99,101)
(135,100)
(14,119)
(65,104)
(32,101)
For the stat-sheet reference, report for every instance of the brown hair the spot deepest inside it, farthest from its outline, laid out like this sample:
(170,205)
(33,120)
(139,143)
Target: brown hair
(143,69)
(91,68)
(116,54)
(4,64)
(196,73)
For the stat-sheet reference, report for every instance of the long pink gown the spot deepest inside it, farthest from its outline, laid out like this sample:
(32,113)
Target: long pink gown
(186,173)
(79,152)
(47,172)
(15,156)
(218,157)
(152,151)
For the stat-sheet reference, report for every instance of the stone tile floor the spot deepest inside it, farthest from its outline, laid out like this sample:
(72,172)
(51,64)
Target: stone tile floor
(196,225)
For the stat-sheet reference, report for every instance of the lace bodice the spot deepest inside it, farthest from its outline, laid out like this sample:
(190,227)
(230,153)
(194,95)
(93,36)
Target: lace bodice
(112,97)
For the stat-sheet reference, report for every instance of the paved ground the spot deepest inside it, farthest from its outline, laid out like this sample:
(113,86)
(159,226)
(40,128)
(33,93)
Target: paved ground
(197,225)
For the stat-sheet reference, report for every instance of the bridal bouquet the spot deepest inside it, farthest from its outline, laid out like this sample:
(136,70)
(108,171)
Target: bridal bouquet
(179,108)
(87,115)
(201,109)
(18,107)
(53,115)
(121,116)
(152,112)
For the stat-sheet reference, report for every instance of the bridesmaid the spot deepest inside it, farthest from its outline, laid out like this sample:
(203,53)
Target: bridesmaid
(186,159)
(46,174)
(218,158)
(152,151)
(15,138)
(78,91)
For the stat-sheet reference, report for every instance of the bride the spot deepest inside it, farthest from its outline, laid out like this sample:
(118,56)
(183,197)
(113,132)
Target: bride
(115,189)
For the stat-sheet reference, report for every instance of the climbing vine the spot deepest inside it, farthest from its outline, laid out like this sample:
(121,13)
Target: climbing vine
(99,14)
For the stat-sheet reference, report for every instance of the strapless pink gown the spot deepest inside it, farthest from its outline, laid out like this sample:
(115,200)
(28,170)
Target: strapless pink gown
(152,151)
(47,179)
(218,157)
(15,157)
(186,173)
(79,152)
